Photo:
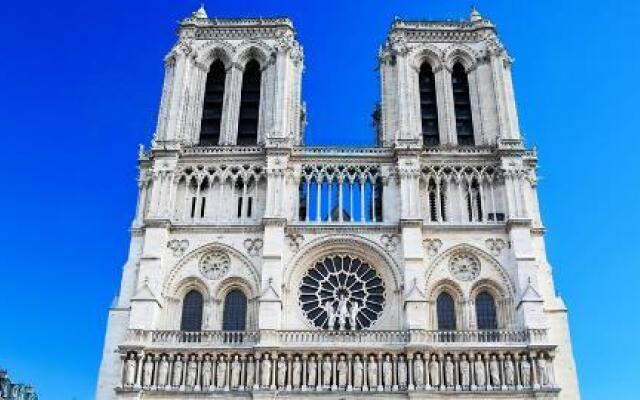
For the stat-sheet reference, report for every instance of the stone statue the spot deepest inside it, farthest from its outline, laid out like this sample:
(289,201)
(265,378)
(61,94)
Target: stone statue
(509,371)
(343,370)
(236,370)
(177,371)
(130,373)
(418,371)
(331,315)
(206,373)
(326,372)
(163,371)
(448,371)
(192,371)
(343,313)
(296,371)
(387,371)
(250,373)
(221,372)
(358,368)
(465,371)
(494,371)
(525,367)
(353,315)
(402,372)
(265,372)
(543,376)
(282,372)
(434,371)
(478,369)
(148,371)
(372,372)
(312,368)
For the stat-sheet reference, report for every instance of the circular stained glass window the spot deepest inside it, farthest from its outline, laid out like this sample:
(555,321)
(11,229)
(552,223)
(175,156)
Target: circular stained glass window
(342,293)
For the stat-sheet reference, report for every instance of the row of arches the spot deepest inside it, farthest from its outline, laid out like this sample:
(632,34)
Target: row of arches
(214,102)
(234,315)
(429,105)
(485,307)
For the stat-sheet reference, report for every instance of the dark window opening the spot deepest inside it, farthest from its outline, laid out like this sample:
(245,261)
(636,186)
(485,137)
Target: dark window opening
(486,311)
(235,311)
(193,206)
(249,105)
(239,206)
(446,312)
(428,106)
(378,201)
(202,207)
(249,206)
(212,107)
(498,217)
(191,312)
(462,105)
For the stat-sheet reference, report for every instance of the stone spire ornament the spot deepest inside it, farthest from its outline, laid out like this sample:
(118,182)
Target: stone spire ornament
(475,15)
(201,13)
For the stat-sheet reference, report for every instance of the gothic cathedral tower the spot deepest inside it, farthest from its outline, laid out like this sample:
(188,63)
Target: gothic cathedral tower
(260,267)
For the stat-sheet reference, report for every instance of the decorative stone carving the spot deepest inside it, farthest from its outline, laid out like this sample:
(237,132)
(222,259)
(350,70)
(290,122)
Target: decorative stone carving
(296,371)
(342,292)
(282,372)
(432,246)
(372,372)
(178,247)
(509,371)
(312,368)
(464,266)
(434,371)
(192,372)
(295,241)
(236,369)
(326,372)
(221,372)
(495,246)
(358,369)
(448,371)
(390,242)
(402,373)
(253,246)
(163,371)
(525,369)
(342,372)
(543,376)
(147,374)
(265,372)
(387,372)
(206,373)
(177,371)
(130,373)
(494,371)
(480,373)
(465,371)
(418,371)
(250,373)
(214,265)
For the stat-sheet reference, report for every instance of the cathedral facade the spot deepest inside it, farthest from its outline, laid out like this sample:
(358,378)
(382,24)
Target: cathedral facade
(260,267)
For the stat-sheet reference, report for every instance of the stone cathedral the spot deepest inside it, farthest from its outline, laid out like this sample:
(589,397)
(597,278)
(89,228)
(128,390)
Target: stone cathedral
(260,267)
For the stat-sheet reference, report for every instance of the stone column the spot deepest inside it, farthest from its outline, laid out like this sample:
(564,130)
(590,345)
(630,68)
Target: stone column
(231,104)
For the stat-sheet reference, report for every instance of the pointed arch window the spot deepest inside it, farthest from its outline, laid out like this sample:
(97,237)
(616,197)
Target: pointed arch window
(192,312)
(462,105)
(428,105)
(486,311)
(212,107)
(249,104)
(446,312)
(235,311)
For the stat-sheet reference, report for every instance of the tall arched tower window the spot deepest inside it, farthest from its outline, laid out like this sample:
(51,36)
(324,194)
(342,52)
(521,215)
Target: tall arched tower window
(462,105)
(212,107)
(191,312)
(235,311)
(446,312)
(428,105)
(486,311)
(249,104)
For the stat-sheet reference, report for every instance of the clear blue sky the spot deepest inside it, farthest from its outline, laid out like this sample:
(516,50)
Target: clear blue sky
(79,89)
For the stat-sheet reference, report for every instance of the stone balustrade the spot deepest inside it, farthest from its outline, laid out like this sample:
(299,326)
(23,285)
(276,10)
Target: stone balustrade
(348,370)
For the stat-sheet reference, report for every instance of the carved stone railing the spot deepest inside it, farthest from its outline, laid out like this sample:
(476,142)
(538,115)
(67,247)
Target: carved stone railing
(342,337)
(194,339)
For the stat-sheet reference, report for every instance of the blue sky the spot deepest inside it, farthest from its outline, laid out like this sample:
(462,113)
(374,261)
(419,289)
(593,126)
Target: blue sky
(79,89)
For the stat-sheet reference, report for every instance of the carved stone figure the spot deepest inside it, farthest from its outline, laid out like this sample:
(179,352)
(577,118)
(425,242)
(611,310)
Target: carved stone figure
(448,371)
(509,371)
(358,368)
(343,312)
(163,371)
(478,369)
(525,368)
(312,368)
(192,371)
(543,376)
(434,371)
(331,314)
(282,372)
(387,371)
(372,372)
(353,315)
(343,369)
(465,371)
(221,372)
(494,371)
(402,372)
(148,371)
(418,371)
(326,372)
(296,371)
(236,370)
(177,371)
(130,373)
(250,373)
(265,372)
(206,373)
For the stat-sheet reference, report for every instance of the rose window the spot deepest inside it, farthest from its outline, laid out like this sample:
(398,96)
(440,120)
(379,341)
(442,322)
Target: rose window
(342,293)
(464,267)
(214,265)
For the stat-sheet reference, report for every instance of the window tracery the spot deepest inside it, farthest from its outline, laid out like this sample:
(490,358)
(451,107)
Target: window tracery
(192,305)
